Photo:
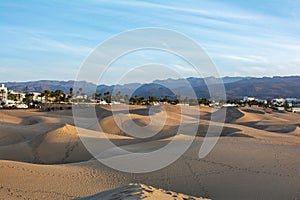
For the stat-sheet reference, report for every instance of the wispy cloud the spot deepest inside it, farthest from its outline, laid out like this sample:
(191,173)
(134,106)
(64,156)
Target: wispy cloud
(239,36)
(251,59)
(45,44)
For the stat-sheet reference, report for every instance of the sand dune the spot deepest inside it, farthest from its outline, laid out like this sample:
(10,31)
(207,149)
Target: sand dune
(139,191)
(268,121)
(61,145)
(296,132)
(10,117)
(257,153)
(232,115)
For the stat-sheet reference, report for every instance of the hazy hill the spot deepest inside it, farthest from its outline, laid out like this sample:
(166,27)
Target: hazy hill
(38,86)
(265,87)
(236,87)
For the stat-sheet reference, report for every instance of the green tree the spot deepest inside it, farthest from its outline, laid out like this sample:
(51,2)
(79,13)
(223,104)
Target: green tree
(107,97)
(118,96)
(2,94)
(12,97)
(71,90)
(58,95)
(152,99)
(42,95)
(29,98)
(126,98)
(47,94)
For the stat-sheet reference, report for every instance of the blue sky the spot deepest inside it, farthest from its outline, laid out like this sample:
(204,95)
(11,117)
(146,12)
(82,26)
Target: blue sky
(51,39)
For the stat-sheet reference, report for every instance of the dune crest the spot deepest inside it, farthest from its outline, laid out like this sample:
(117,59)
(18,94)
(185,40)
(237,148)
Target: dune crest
(251,158)
(60,145)
(139,191)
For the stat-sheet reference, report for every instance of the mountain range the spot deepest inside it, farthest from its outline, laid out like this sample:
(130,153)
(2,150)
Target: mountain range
(236,87)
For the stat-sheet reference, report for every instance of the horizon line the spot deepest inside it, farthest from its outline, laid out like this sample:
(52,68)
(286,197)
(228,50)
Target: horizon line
(250,77)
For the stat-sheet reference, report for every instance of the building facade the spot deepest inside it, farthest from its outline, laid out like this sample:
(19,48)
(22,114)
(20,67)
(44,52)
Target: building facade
(3,93)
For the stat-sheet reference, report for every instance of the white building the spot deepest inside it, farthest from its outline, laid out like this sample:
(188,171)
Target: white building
(3,93)
(296,109)
(246,99)
(291,100)
(280,108)
(262,101)
(18,95)
(36,96)
(103,102)
(229,105)
(278,102)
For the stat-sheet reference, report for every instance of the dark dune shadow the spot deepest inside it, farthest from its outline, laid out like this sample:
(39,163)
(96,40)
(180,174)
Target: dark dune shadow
(232,114)
(170,131)
(275,128)
(146,111)
(29,121)
(254,111)
(226,131)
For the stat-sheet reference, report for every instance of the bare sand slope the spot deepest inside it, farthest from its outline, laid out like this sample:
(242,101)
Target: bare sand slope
(170,116)
(61,145)
(275,122)
(296,132)
(262,164)
(235,169)
(260,119)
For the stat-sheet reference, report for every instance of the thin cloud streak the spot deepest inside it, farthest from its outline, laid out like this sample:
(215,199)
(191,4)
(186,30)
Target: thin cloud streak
(236,35)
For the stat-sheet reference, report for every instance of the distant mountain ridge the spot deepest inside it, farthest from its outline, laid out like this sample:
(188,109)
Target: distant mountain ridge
(236,87)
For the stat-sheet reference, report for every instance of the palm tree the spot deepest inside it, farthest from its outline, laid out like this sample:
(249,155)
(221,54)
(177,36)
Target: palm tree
(71,92)
(42,95)
(107,97)
(29,98)
(46,94)
(126,98)
(152,99)
(58,94)
(118,96)
(166,99)
(2,94)
(52,94)
(178,97)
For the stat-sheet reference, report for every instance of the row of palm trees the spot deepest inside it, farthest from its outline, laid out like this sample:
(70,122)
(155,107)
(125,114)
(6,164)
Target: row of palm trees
(136,100)
(102,97)
(58,95)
